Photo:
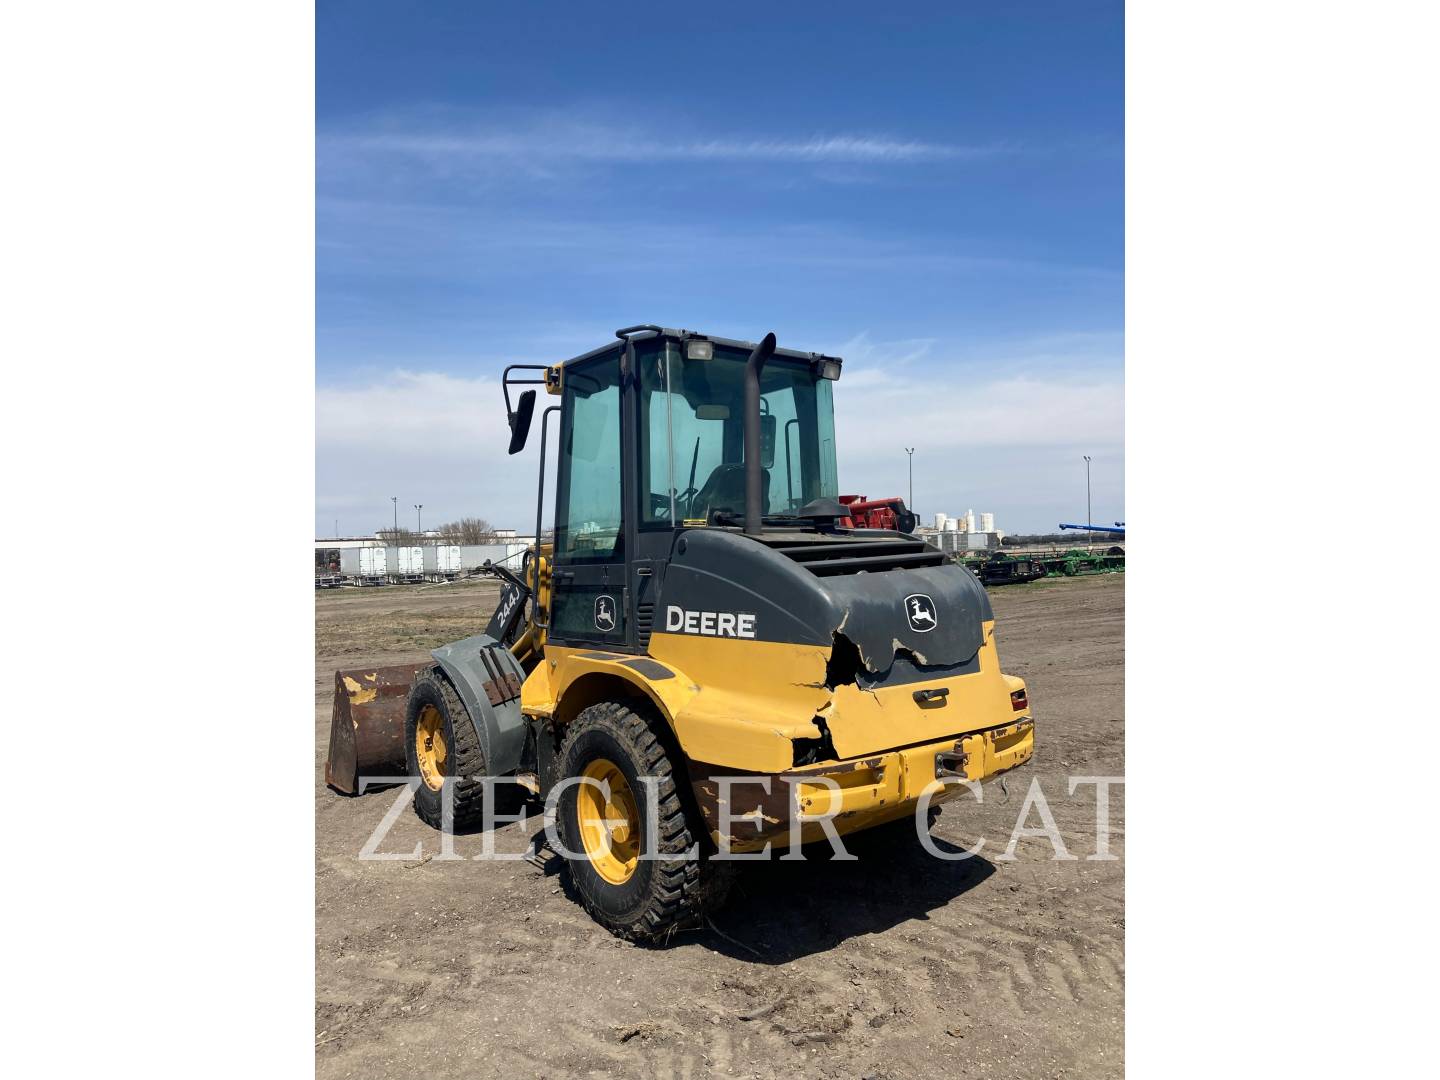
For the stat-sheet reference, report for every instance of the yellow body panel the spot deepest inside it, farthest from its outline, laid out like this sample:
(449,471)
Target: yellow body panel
(753,697)
(740,704)
(877,789)
(552,679)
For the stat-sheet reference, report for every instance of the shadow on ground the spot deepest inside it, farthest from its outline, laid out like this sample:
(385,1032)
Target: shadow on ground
(780,911)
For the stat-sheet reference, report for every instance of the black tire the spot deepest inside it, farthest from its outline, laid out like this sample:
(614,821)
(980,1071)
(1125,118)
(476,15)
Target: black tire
(464,759)
(661,895)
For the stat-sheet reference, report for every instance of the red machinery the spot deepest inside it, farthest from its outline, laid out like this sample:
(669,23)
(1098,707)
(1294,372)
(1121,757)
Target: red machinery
(889,513)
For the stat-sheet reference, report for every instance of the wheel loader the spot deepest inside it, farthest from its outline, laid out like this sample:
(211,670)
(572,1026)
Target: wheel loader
(708,659)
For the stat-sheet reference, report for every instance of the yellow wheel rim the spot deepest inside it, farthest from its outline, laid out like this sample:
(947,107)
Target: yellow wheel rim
(430,749)
(609,821)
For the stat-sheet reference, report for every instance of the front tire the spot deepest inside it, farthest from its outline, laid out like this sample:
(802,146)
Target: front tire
(604,822)
(442,747)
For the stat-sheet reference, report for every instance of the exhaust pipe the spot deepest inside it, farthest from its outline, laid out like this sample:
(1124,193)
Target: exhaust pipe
(754,512)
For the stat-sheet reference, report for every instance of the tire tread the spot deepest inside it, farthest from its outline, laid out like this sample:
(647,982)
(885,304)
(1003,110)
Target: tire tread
(677,895)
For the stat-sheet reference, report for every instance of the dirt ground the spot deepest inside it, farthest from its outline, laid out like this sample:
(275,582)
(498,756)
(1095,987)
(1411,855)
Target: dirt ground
(898,965)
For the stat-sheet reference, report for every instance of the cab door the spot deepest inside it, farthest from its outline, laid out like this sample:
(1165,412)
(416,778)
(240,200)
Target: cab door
(590,604)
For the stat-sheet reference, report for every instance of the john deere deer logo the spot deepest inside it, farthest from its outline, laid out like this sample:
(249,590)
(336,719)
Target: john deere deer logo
(604,612)
(920,611)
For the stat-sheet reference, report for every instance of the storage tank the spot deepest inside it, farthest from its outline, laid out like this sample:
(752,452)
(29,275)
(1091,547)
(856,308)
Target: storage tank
(987,523)
(940,520)
(952,525)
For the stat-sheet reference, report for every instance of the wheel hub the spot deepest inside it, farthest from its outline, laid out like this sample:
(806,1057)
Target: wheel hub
(430,750)
(609,821)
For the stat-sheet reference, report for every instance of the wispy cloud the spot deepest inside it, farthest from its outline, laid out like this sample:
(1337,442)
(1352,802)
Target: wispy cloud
(546,144)
(601,144)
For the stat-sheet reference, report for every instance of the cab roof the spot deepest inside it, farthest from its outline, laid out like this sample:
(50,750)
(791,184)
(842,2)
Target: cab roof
(649,332)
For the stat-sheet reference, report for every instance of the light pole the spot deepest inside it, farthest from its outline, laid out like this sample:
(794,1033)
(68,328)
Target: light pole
(1089,532)
(910,455)
(417,519)
(395,506)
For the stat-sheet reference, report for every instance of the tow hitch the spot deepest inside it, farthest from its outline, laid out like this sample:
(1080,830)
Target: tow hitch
(951,763)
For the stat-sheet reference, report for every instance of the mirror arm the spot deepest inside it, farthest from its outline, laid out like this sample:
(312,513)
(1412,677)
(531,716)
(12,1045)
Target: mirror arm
(506,381)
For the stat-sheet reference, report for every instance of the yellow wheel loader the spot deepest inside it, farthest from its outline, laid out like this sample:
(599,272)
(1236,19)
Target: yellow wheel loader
(705,660)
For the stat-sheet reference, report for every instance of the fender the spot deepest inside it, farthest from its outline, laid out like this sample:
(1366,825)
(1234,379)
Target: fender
(665,685)
(710,726)
(488,678)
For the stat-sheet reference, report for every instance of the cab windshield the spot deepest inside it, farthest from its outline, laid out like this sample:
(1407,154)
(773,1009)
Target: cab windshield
(692,437)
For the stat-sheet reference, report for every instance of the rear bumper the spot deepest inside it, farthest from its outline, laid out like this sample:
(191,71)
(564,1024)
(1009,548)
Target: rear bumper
(749,810)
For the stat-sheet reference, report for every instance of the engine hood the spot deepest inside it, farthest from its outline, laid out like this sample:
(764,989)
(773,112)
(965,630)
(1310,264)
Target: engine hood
(905,609)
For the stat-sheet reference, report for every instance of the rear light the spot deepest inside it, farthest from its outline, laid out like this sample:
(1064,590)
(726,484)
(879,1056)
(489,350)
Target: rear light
(1018,701)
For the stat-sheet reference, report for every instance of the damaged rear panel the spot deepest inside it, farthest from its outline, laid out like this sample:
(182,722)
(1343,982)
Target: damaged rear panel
(858,643)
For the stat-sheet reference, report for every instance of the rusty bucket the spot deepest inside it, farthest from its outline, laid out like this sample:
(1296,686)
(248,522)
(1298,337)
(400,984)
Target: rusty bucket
(367,725)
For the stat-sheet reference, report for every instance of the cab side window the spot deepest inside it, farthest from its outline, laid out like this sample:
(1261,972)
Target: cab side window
(587,526)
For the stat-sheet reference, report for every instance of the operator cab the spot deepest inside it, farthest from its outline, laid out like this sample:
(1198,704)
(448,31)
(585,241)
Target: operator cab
(652,437)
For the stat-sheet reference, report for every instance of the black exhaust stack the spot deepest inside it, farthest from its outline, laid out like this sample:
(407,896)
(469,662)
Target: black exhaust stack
(754,512)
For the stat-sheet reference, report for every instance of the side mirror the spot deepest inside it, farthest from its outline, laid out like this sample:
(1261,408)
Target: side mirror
(520,421)
(767,441)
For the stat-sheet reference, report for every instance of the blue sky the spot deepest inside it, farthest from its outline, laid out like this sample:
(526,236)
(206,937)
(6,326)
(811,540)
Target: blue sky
(935,192)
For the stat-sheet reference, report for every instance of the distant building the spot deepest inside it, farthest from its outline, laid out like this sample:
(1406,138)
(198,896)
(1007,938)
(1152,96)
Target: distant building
(968,532)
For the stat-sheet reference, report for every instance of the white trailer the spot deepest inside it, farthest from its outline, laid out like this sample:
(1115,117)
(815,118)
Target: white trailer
(363,564)
(409,563)
(509,554)
(442,561)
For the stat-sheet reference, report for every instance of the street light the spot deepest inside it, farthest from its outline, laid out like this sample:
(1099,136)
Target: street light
(417,519)
(1089,532)
(910,452)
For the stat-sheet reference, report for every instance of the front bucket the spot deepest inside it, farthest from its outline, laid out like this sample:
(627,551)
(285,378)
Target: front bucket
(367,725)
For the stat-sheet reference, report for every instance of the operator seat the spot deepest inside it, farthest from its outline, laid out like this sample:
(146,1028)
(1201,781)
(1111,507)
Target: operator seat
(724,490)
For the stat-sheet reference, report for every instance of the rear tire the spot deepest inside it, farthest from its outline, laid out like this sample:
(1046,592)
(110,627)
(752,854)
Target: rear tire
(440,738)
(633,897)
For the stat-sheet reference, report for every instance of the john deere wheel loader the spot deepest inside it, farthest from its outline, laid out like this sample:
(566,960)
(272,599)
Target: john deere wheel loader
(704,652)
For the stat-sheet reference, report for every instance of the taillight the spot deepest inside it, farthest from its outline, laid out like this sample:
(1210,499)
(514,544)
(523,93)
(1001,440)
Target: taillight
(1018,701)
